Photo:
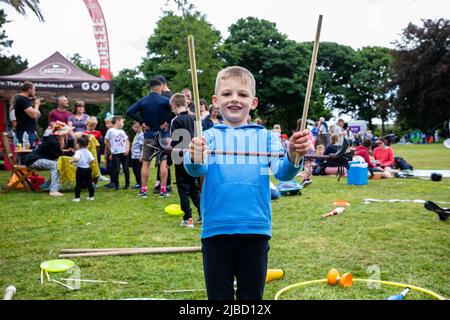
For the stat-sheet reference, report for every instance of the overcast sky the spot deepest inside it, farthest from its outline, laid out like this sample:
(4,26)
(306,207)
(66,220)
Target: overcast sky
(68,29)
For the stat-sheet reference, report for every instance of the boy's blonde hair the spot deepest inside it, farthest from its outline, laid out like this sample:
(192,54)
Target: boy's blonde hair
(178,100)
(92,120)
(237,73)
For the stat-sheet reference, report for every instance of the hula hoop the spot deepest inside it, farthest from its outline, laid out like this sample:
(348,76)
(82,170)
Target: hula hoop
(388,283)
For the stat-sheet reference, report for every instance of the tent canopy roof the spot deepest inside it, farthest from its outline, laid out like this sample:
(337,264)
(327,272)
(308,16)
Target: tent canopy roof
(58,76)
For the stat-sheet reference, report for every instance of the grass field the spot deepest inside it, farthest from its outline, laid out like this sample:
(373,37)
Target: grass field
(406,242)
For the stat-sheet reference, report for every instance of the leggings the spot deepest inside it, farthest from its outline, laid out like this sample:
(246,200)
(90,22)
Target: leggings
(84,178)
(52,166)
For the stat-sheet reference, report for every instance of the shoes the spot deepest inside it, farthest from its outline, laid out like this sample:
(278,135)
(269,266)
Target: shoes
(157,189)
(103,178)
(163,194)
(443,213)
(126,187)
(137,186)
(90,198)
(187,223)
(56,194)
(109,186)
(199,221)
(306,182)
(76,200)
(169,189)
(143,195)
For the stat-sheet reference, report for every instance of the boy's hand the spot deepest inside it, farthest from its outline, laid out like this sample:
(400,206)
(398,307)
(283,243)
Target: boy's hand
(110,157)
(299,142)
(197,150)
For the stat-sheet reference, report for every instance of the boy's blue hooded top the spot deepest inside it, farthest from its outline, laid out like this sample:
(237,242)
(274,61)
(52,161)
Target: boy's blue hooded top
(235,197)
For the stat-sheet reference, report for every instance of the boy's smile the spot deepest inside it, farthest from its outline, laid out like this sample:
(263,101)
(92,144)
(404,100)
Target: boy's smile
(235,100)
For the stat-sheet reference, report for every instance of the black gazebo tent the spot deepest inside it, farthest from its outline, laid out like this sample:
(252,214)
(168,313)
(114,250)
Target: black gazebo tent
(57,76)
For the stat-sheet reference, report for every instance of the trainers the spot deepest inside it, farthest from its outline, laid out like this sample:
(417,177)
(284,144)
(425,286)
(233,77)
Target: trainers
(187,223)
(126,187)
(76,200)
(103,178)
(56,194)
(163,194)
(169,188)
(157,188)
(90,198)
(199,221)
(306,183)
(137,186)
(143,195)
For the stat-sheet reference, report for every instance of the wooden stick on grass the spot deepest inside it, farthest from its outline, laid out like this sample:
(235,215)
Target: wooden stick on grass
(132,252)
(312,68)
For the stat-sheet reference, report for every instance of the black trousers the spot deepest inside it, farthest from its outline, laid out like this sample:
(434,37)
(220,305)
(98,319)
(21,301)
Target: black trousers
(187,189)
(137,166)
(84,179)
(117,160)
(244,257)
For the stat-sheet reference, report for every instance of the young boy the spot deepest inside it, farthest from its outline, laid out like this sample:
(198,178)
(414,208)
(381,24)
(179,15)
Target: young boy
(235,199)
(83,159)
(136,153)
(116,140)
(182,126)
(106,151)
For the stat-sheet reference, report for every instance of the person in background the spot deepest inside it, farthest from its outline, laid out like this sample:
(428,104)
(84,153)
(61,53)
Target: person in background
(285,142)
(45,156)
(315,132)
(83,158)
(26,109)
(203,109)
(188,94)
(166,92)
(154,113)
(364,152)
(384,154)
(212,119)
(107,152)
(78,120)
(117,142)
(277,130)
(186,185)
(136,153)
(324,134)
(91,124)
(61,112)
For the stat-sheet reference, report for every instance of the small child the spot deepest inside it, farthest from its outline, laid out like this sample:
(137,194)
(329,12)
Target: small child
(106,151)
(83,159)
(91,124)
(136,153)
(235,199)
(186,185)
(116,140)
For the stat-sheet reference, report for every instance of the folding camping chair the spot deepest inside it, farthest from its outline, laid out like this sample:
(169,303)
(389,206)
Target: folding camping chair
(20,172)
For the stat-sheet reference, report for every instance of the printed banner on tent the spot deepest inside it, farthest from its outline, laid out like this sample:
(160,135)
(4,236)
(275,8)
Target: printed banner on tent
(101,37)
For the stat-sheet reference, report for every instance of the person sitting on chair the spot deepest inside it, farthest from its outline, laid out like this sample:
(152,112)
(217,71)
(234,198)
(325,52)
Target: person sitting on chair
(45,156)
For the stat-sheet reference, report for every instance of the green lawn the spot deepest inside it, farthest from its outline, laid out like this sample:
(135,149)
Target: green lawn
(406,242)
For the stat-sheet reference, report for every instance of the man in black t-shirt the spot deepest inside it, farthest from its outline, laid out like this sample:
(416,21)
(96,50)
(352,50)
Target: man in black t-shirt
(27,112)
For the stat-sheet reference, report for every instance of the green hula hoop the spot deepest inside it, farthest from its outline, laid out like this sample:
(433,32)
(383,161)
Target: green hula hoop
(388,283)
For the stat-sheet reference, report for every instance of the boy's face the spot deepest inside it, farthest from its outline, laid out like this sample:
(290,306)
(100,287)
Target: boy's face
(120,123)
(137,127)
(235,100)
(108,124)
(91,126)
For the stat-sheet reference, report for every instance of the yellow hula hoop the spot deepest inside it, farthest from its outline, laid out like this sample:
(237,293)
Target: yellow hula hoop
(388,283)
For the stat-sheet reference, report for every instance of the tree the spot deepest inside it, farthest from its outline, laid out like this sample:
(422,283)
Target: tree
(280,67)
(369,90)
(422,73)
(85,64)
(8,64)
(168,51)
(21,5)
(130,86)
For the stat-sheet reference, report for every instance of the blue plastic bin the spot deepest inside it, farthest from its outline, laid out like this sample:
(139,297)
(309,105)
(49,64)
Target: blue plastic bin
(358,173)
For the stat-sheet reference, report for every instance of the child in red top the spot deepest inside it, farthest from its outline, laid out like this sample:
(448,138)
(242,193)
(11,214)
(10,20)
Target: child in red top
(384,154)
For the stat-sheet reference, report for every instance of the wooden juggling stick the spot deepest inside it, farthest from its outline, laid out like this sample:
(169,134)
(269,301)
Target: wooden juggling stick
(132,252)
(312,69)
(198,115)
